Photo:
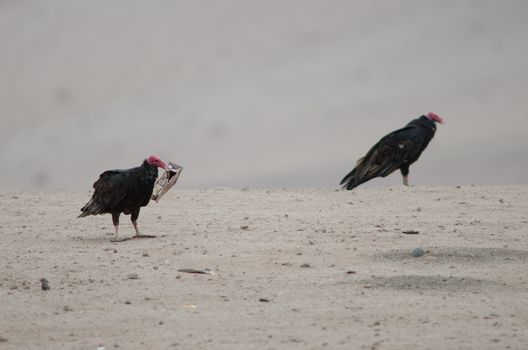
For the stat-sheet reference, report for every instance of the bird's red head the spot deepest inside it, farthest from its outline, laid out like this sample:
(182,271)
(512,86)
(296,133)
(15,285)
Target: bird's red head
(435,118)
(157,162)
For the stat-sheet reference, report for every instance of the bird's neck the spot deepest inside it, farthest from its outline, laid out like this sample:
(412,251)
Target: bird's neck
(427,122)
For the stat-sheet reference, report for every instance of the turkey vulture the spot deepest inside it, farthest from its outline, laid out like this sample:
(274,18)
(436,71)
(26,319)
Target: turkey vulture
(124,191)
(397,150)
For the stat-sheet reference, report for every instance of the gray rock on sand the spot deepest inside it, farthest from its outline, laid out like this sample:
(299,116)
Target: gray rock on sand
(44,284)
(132,276)
(417,252)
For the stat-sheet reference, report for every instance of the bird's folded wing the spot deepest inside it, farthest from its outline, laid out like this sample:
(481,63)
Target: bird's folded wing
(110,189)
(382,160)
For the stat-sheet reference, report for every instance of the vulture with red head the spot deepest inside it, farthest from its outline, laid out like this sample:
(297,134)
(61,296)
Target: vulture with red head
(124,191)
(397,150)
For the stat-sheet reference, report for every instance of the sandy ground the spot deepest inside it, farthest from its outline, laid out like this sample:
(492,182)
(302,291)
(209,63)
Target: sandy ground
(333,270)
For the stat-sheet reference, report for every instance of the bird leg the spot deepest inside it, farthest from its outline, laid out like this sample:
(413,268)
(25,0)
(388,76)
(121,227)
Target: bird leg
(405,173)
(115,220)
(136,228)
(133,217)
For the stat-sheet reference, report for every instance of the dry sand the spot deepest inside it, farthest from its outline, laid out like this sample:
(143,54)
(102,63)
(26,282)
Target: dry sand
(359,289)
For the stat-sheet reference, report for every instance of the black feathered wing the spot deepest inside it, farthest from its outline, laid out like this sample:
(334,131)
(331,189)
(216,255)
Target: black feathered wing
(386,156)
(110,190)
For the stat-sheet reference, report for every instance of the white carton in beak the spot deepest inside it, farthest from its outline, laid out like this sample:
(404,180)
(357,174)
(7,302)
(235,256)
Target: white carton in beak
(166,181)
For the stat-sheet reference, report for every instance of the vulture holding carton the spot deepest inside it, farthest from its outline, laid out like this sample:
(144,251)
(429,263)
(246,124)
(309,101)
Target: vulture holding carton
(126,191)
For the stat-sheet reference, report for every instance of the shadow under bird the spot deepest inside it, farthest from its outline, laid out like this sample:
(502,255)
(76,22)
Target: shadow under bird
(124,191)
(397,150)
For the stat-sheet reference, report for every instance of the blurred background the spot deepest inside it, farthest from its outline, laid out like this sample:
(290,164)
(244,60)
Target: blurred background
(259,93)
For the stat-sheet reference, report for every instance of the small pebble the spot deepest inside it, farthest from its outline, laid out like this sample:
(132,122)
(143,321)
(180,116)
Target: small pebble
(132,276)
(44,284)
(417,252)
(264,300)
(244,227)
(128,302)
(305,266)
